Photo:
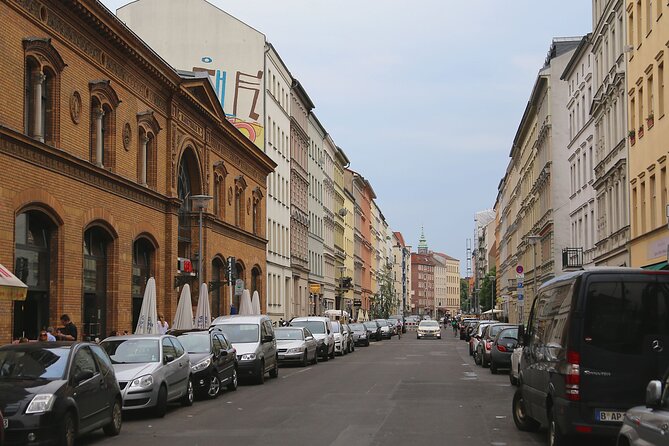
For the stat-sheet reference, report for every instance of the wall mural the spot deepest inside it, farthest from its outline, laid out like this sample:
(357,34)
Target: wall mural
(246,99)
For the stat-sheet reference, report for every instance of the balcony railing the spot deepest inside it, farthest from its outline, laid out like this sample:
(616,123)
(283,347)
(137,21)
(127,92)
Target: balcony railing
(572,258)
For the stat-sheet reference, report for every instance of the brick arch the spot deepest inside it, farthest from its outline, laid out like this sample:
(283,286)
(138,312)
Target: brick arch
(100,217)
(39,199)
(146,230)
(189,143)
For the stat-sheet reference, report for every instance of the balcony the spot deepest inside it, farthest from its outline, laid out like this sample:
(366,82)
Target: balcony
(572,258)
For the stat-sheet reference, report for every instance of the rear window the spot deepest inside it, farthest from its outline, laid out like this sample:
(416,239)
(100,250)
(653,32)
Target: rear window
(620,314)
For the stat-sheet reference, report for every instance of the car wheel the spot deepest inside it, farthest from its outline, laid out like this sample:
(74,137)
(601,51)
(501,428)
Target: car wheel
(305,359)
(260,377)
(332,355)
(520,418)
(187,399)
(233,382)
(315,360)
(367,343)
(214,386)
(114,427)
(555,436)
(161,402)
(493,368)
(484,362)
(325,357)
(477,359)
(274,373)
(512,379)
(68,430)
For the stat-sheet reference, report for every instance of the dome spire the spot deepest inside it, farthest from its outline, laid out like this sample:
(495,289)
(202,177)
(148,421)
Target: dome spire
(422,243)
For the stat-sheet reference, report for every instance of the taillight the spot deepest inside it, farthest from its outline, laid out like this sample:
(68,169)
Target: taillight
(572,379)
(488,344)
(501,348)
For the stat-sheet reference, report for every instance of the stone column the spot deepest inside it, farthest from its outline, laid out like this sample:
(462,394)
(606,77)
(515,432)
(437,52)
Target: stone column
(98,113)
(143,142)
(38,124)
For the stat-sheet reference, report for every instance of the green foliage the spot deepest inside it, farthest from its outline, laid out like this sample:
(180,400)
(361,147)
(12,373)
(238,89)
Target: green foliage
(487,290)
(385,302)
(464,295)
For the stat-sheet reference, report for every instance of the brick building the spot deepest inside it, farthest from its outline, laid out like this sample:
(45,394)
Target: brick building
(102,144)
(422,280)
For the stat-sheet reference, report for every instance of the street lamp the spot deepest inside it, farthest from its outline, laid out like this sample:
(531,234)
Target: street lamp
(199,203)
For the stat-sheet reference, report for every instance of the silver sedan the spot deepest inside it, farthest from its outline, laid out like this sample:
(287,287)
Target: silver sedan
(297,345)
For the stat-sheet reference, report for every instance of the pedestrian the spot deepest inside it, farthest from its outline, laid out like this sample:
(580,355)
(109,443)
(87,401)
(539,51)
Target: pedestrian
(163,326)
(42,336)
(69,330)
(455,327)
(49,335)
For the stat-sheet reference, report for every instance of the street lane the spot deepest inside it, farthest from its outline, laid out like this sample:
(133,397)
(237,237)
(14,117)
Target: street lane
(392,392)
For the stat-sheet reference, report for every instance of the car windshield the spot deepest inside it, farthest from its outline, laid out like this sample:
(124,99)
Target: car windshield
(195,343)
(335,327)
(240,333)
(494,329)
(392,321)
(132,351)
(43,363)
(509,333)
(357,327)
(382,322)
(288,334)
(428,324)
(316,327)
(371,325)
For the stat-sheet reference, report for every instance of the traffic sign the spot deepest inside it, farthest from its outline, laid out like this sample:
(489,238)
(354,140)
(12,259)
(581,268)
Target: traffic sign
(519,269)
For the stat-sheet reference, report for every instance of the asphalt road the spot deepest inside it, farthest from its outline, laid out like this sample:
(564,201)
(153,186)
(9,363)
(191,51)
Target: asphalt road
(394,392)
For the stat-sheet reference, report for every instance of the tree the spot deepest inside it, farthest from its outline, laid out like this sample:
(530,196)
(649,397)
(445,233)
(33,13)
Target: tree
(464,294)
(487,290)
(385,302)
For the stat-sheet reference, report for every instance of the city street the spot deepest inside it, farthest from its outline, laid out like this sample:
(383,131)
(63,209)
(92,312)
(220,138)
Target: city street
(393,392)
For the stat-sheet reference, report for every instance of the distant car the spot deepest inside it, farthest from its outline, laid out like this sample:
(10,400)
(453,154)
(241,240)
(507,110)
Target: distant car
(53,392)
(463,327)
(386,331)
(502,348)
(428,329)
(361,334)
(340,339)
(152,370)
(321,328)
(485,344)
(649,424)
(475,337)
(213,361)
(348,336)
(296,344)
(375,330)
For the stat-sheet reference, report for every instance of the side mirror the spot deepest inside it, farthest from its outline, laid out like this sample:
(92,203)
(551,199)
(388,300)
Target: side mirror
(308,338)
(85,375)
(653,393)
(167,359)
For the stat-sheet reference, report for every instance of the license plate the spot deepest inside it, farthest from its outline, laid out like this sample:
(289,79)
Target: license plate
(610,416)
(5,423)
(281,356)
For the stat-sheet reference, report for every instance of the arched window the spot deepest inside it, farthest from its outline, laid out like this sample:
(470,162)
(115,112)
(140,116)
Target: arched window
(256,282)
(147,163)
(188,182)
(43,66)
(33,234)
(143,253)
(240,187)
(218,277)
(103,124)
(96,244)
(256,213)
(220,173)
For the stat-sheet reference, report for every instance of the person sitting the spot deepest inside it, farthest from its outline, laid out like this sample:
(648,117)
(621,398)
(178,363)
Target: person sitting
(69,330)
(43,336)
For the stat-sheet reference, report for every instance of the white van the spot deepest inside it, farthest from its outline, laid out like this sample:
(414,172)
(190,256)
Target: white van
(321,328)
(253,338)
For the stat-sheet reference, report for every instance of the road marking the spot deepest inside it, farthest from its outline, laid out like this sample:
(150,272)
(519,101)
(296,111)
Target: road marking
(295,373)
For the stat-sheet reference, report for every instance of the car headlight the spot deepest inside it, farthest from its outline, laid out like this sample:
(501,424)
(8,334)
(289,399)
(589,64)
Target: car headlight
(248,357)
(142,382)
(363,335)
(201,365)
(294,350)
(41,403)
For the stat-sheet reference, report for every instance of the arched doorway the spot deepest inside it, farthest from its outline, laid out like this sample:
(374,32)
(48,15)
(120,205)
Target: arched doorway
(143,253)
(96,245)
(256,282)
(188,184)
(33,232)
(218,277)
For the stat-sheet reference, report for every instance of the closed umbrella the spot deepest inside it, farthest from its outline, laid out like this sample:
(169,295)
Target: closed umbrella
(255,303)
(203,311)
(148,315)
(245,307)
(183,320)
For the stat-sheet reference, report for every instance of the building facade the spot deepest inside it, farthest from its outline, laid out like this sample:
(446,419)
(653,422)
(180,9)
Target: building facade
(318,300)
(100,196)
(331,276)
(402,273)
(647,34)
(422,280)
(609,111)
(446,284)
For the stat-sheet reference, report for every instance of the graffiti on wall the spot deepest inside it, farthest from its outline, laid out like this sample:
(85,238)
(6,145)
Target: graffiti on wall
(246,106)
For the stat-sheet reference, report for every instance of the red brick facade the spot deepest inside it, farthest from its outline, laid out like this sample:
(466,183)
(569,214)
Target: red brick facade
(82,208)
(422,283)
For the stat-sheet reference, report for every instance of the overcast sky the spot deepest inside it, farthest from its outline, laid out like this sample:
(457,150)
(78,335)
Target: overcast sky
(424,96)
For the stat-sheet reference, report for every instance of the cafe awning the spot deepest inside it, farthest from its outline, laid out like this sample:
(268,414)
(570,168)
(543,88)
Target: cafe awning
(656,266)
(11,288)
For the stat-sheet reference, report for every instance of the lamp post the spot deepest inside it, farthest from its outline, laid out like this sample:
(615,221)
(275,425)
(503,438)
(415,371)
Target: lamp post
(200,204)
(533,239)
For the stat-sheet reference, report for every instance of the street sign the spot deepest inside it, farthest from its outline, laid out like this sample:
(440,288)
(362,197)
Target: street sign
(519,269)
(239,287)
(521,294)
(357,303)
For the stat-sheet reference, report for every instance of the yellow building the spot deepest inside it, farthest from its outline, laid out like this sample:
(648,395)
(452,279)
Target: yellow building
(647,38)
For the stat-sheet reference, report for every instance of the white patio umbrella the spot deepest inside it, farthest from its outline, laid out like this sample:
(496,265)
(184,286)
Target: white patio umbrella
(148,315)
(203,311)
(183,319)
(255,303)
(245,306)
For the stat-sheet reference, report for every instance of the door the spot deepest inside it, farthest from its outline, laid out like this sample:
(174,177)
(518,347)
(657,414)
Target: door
(171,369)
(88,392)
(226,357)
(183,366)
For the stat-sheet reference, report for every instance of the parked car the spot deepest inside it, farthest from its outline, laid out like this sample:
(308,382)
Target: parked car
(386,331)
(361,334)
(253,338)
(57,391)
(428,329)
(152,370)
(502,348)
(465,325)
(348,334)
(375,330)
(485,343)
(648,424)
(475,337)
(321,327)
(296,344)
(340,339)
(392,322)
(594,340)
(514,371)
(213,361)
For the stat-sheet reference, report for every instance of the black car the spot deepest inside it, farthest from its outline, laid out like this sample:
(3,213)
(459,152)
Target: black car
(375,330)
(361,334)
(213,361)
(502,348)
(53,392)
